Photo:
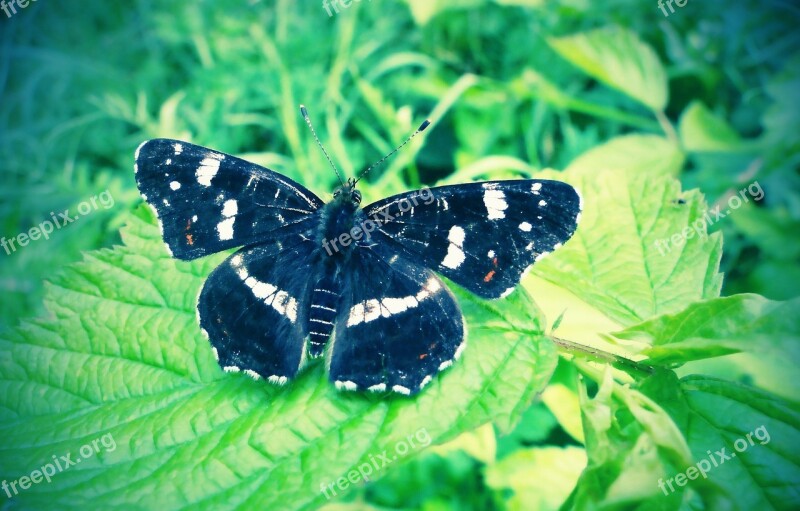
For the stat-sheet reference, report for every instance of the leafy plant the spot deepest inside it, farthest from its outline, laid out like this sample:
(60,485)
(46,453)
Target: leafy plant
(646,360)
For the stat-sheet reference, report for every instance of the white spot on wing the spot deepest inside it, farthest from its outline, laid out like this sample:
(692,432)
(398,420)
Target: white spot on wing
(455,256)
(456,235)
(536,187)
(395,305)
(444,365)
(460,350)
(345,385)
(490,253)
(401,390)
(280,300)
(495,201)
(525,226)
(369,310)
(380,387)
(431,287)
(291,310)
(230,208)
(231,369)
(278,380)
(136,154)
(208,168)
(542,203)
(261,290)
(507,292)
(178,148)
(425,381)
(279,303)
(225,229)
(252,374)
(175,185)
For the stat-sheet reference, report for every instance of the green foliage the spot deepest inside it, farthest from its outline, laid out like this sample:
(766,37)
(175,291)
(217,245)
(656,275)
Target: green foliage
(166,401)
(653,120)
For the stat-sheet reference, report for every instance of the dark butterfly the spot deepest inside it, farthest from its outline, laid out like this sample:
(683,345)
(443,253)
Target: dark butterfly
(357,283)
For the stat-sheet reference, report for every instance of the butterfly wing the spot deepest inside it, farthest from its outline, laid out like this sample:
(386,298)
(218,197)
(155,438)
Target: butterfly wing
(398,324)
(208,201)
(483,236)
(253,307)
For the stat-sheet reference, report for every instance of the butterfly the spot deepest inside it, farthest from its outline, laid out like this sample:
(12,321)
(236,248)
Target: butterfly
(357,285)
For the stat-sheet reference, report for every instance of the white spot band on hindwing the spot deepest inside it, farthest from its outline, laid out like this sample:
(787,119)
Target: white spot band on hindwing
(369,310)
(280,300)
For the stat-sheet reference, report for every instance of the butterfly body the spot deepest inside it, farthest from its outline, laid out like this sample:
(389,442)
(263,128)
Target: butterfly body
(357,285)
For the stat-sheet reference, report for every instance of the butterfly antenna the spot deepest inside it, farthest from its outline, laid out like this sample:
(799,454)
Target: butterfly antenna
(421,128)
(308,121)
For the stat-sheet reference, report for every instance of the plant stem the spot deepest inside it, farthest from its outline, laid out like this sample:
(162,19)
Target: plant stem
(617,361)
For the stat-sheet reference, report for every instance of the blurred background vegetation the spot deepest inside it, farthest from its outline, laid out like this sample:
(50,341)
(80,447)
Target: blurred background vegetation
(82,84)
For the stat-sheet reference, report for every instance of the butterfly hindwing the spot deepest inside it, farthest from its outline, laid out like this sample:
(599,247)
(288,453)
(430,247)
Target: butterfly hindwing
(398,325)
(208,201)
(483,236)
(253,307)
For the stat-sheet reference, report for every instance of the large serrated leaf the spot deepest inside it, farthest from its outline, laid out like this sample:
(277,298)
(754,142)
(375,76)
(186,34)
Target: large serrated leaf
(650,154)
(760,468)
(765,332)
(613,262)
(617,57)
(123,356)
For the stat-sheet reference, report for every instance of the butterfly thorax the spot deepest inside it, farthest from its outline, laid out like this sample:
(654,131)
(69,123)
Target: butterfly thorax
(336,233)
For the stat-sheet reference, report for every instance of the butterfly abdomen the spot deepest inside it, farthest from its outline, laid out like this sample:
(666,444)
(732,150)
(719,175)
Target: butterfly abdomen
(322,314)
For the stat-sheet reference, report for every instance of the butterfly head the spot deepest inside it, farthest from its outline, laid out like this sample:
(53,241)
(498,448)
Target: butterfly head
(347,195)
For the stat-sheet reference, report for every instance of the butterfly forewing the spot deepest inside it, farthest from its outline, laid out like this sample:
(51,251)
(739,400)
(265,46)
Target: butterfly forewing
(483,236)
(209,201)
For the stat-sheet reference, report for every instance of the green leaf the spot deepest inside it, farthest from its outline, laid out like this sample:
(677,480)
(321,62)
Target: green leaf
(618,58)
(614,263)
(123,356)
(758,431)
(425,10)
(700,130)
(631,443)
(650,154)
(766,330)
(541,478)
